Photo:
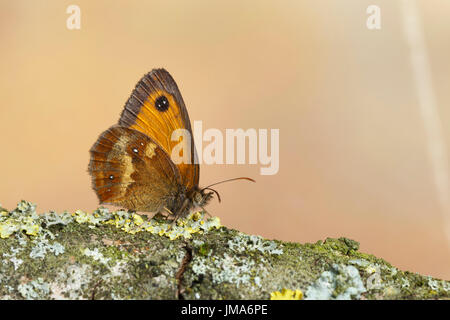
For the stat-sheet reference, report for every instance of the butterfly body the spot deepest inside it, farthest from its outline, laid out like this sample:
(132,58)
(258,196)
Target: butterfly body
(130,162)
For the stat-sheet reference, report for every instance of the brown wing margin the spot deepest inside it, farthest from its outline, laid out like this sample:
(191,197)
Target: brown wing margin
(140,114)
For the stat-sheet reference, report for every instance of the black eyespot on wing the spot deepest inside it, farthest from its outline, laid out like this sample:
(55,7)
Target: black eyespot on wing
(161,103)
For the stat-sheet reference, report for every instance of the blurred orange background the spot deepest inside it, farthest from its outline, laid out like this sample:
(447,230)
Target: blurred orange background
(353,148)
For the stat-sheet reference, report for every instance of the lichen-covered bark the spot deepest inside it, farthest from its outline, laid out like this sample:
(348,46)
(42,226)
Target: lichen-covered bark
(120,255)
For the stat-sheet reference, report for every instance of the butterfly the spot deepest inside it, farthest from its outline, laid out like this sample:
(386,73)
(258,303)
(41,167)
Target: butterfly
(131,163)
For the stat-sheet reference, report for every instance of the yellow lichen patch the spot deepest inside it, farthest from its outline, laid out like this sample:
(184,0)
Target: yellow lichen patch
(370,269)
(390,291)
(6,229)
(81,216)
(137,219)
(197,216)
(31,229)
(20,220)
(25,220)
(184,227)
(286,294)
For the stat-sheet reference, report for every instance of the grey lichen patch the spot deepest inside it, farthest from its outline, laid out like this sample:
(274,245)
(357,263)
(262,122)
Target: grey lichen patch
(341,282)
(42,246)
(122,255)
(242,264)
(243,242)
(12,257)
(226,269)
(35,289)
(229,260)
(73,283)
(96,255)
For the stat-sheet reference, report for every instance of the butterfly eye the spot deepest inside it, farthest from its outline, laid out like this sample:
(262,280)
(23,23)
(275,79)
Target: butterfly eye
(111,177)
(161,103)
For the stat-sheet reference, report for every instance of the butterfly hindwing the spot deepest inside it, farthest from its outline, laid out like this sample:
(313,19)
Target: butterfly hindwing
(156,108)
(130,169)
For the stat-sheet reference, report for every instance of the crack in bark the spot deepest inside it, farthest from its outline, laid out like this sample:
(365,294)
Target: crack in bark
(180,273)
(94,290)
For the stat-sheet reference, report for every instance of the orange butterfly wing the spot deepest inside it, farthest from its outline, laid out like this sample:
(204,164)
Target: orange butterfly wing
(156,109)
(129,169)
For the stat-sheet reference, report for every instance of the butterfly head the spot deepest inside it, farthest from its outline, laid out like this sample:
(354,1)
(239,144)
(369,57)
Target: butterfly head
(201,197)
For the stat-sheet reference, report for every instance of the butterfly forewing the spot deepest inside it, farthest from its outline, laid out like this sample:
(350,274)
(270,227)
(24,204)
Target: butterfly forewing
(130,169)
(156,109)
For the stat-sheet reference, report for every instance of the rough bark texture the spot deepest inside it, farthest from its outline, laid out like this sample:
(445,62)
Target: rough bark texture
(121,255)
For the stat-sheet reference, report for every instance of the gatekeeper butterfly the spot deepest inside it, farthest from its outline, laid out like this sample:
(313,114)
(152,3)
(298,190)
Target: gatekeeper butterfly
(131,163)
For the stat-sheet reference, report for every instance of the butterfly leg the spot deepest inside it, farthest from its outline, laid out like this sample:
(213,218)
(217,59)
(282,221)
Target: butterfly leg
(168,211)
(204,210)
(181,211)
(159,215)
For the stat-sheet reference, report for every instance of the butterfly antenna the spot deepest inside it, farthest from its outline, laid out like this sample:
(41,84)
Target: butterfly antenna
(228,180)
